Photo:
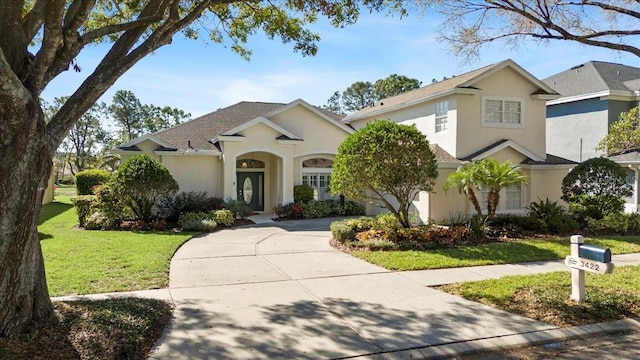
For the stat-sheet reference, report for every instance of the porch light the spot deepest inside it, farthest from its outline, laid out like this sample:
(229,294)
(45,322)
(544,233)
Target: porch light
(244,165)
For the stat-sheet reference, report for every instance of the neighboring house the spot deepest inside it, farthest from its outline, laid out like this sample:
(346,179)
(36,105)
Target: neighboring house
(496,111)
(251,150)
(593,95)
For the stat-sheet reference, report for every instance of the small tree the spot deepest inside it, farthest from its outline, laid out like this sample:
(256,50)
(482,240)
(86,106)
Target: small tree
(465,179)
(595,188)
(141,182)
(385,159)
(495,176)
(486,173)
(623,135)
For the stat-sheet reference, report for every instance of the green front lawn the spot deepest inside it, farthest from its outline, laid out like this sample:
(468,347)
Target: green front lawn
(545,297)
(79,261)
(490,254)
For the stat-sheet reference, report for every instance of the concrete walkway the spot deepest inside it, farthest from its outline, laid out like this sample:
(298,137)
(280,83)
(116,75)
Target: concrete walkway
(278,290)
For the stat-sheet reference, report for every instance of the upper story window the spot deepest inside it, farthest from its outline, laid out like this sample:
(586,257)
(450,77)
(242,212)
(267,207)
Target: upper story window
(502,112)
(442,109)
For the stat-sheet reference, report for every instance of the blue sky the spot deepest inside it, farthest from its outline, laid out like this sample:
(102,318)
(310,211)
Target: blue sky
(200,77)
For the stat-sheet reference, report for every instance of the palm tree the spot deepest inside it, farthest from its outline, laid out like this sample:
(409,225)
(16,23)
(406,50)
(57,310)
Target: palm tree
(465,179)
(495,176)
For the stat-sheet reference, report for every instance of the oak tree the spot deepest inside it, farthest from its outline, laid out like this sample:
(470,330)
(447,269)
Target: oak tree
(40,39)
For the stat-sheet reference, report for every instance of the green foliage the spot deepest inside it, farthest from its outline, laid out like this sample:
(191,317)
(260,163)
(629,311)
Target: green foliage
(223,217)
(109,204)
(385,159)
(393,85)
(363,223)
(618,223)
(193,221)
(302,193)
(239,208)
(141,182)
(623,135)
(86,180)
(342,231)
(83,205)
(522,222)
(387,223)
(477,226)
(595,188)
(316,209)
(486,173)
(551,216)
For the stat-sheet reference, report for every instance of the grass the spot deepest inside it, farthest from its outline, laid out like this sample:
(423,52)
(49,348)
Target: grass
(105,329)
(545,297)
(489,254)
(83,262)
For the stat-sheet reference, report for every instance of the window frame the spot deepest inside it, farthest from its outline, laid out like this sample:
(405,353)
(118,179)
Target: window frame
(483,194)
(502,124)
(441,116)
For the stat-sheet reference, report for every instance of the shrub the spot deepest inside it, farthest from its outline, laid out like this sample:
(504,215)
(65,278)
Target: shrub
(109,204)
(222,217)
(83,205)
(193,201)
(302,193)
(208,225)
(456,218)
(551,216)
(294,211)
(362,223)
(67,180)
(387,223)
(192,221)
(620,224)
(239,208)
(86,180)
(477,226)
(316,209)
(141,182)
(342,231)
(522,222)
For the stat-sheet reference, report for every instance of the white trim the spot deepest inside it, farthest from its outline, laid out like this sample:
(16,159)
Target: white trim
(312,109)
(189,152)
(289,142)
(227,138)
(623,95)
(317,153)
(454,91)
(149,137)
(502,124)
(263,120)
(512,144)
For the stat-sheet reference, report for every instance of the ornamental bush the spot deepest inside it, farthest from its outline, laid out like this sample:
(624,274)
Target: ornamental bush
(83,205)
(141,182)
(302,193)
(86,180)
(222,217)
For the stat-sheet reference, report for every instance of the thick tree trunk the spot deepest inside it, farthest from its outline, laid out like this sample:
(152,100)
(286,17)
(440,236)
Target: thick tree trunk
(24,158)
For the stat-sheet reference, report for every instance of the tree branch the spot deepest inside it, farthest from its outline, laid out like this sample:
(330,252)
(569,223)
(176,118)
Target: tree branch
(33,20)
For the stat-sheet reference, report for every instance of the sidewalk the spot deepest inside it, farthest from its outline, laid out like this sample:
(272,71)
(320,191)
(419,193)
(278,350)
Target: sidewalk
(278,290)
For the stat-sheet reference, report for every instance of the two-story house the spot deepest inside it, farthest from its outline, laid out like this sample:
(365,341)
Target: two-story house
(496,111)
(593,95)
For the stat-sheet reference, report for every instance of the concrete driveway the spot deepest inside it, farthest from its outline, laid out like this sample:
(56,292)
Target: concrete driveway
(280,291)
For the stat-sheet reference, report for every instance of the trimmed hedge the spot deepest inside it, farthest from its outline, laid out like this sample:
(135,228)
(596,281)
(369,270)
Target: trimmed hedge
(86,180)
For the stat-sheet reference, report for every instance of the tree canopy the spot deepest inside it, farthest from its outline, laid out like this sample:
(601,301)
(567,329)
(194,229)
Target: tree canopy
(41,39)
(382,162)
(623,135)
(361,94)
(470,24)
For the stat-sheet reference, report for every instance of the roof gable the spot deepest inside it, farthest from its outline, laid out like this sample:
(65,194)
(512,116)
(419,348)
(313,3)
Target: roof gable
(461,83)
(500,145)
(595,77)
(259,120)
(330,117)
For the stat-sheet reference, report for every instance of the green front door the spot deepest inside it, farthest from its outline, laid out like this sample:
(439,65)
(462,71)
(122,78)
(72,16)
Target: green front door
(251,189)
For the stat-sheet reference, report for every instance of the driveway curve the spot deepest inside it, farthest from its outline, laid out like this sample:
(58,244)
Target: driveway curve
(281,291)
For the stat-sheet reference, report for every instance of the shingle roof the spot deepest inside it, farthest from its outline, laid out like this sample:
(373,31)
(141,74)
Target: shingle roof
(442,156)
(630,156)
(422,92)
(200,130)
(595,76)
(550,160)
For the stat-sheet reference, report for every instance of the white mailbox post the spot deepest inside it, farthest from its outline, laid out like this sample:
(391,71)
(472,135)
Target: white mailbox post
(586,258)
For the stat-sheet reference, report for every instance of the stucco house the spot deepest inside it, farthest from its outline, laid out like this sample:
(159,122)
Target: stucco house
(593,95)
(253,151)
(496,111)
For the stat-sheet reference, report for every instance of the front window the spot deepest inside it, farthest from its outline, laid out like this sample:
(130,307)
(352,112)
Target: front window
(510,199)
(502,112)
(441,116)
(316,173)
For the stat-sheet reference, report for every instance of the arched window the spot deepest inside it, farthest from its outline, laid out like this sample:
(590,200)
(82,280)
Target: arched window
(249,164)
(316,173)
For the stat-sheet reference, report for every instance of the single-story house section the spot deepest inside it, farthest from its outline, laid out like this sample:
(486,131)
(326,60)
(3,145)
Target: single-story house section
(252,151)
(630,161)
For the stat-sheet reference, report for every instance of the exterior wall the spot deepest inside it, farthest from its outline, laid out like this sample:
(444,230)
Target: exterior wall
(472,135)
(441,204)
(49,191)
(575,129)
(195,173)
(545,182)
(616,107)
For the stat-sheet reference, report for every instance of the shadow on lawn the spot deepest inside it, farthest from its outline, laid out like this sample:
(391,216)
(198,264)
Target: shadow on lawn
(52,210)
(511,252)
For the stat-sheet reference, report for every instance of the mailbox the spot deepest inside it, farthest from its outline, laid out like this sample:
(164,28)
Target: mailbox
(595,253)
